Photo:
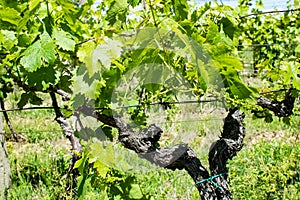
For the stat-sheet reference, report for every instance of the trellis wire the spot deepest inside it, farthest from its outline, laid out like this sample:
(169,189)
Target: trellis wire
(270,12)
(166,122)
(118,107)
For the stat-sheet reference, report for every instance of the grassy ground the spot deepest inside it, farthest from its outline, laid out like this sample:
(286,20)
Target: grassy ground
(40,162)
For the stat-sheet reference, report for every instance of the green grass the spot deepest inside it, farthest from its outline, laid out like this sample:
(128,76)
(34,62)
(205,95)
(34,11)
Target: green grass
(39,162)
(35,125)
(38,170)
(271,170)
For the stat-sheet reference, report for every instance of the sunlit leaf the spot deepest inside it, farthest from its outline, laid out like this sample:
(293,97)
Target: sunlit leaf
(33,4)
(85,55)
(105,155)
(230,61)
(10,15)
(63,40)
(102,157)
(9,39)
(106,52)
(38,53)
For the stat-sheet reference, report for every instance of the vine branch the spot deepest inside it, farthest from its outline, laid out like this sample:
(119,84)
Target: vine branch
(10,126)
(19,82)
(282,108)
(181,156)
(69,133)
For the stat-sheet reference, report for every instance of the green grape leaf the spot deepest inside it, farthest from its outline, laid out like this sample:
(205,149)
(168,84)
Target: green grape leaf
(35,100)
(9,39)
(68,113)
(108,132)
(9,15)
(102,56)
(104,154)
(80,164)
(108,51)
(23,22)
(213,34)
(24,100)
(41,51)
(102,157)
(84,53)
(194,54)
(235,84)
(29,97)
(89,89)
(290,73)
(65,83)
(229,61)
(101,168)
(228,27)
(294,73)
(134,3)
(41,78)
(116,8)
(181,9)
(33,4)
(24,40)
(63,40)
(238,88)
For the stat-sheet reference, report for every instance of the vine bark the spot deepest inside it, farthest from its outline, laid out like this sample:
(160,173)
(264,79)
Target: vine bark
(69,133)
(210,186)
(282,108)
